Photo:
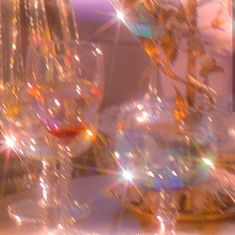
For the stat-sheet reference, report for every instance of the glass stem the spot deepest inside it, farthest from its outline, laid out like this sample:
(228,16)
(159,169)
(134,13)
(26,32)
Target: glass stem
(167,213)
(49,201)
(65,220)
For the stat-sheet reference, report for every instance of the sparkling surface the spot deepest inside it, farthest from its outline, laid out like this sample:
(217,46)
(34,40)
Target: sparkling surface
(107,215)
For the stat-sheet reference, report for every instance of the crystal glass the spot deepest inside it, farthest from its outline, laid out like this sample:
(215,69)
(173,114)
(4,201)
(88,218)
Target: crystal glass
(28,139)
(33,22)
(66,86)
(155,153)
(53,111)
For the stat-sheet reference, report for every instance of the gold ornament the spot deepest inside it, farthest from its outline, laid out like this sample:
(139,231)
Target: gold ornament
(169,47)
(181,106)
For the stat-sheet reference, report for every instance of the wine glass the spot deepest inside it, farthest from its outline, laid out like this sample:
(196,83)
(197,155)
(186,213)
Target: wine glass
(156,154)
(66,87)
(24,133)
(69,77)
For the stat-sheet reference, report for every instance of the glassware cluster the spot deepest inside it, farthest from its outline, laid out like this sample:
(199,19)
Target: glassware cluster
(52,89)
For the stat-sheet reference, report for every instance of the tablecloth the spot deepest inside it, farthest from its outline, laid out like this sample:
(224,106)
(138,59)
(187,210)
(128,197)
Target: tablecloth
(107,216)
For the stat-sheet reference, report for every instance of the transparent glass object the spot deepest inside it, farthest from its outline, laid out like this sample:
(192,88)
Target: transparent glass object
(156,153)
